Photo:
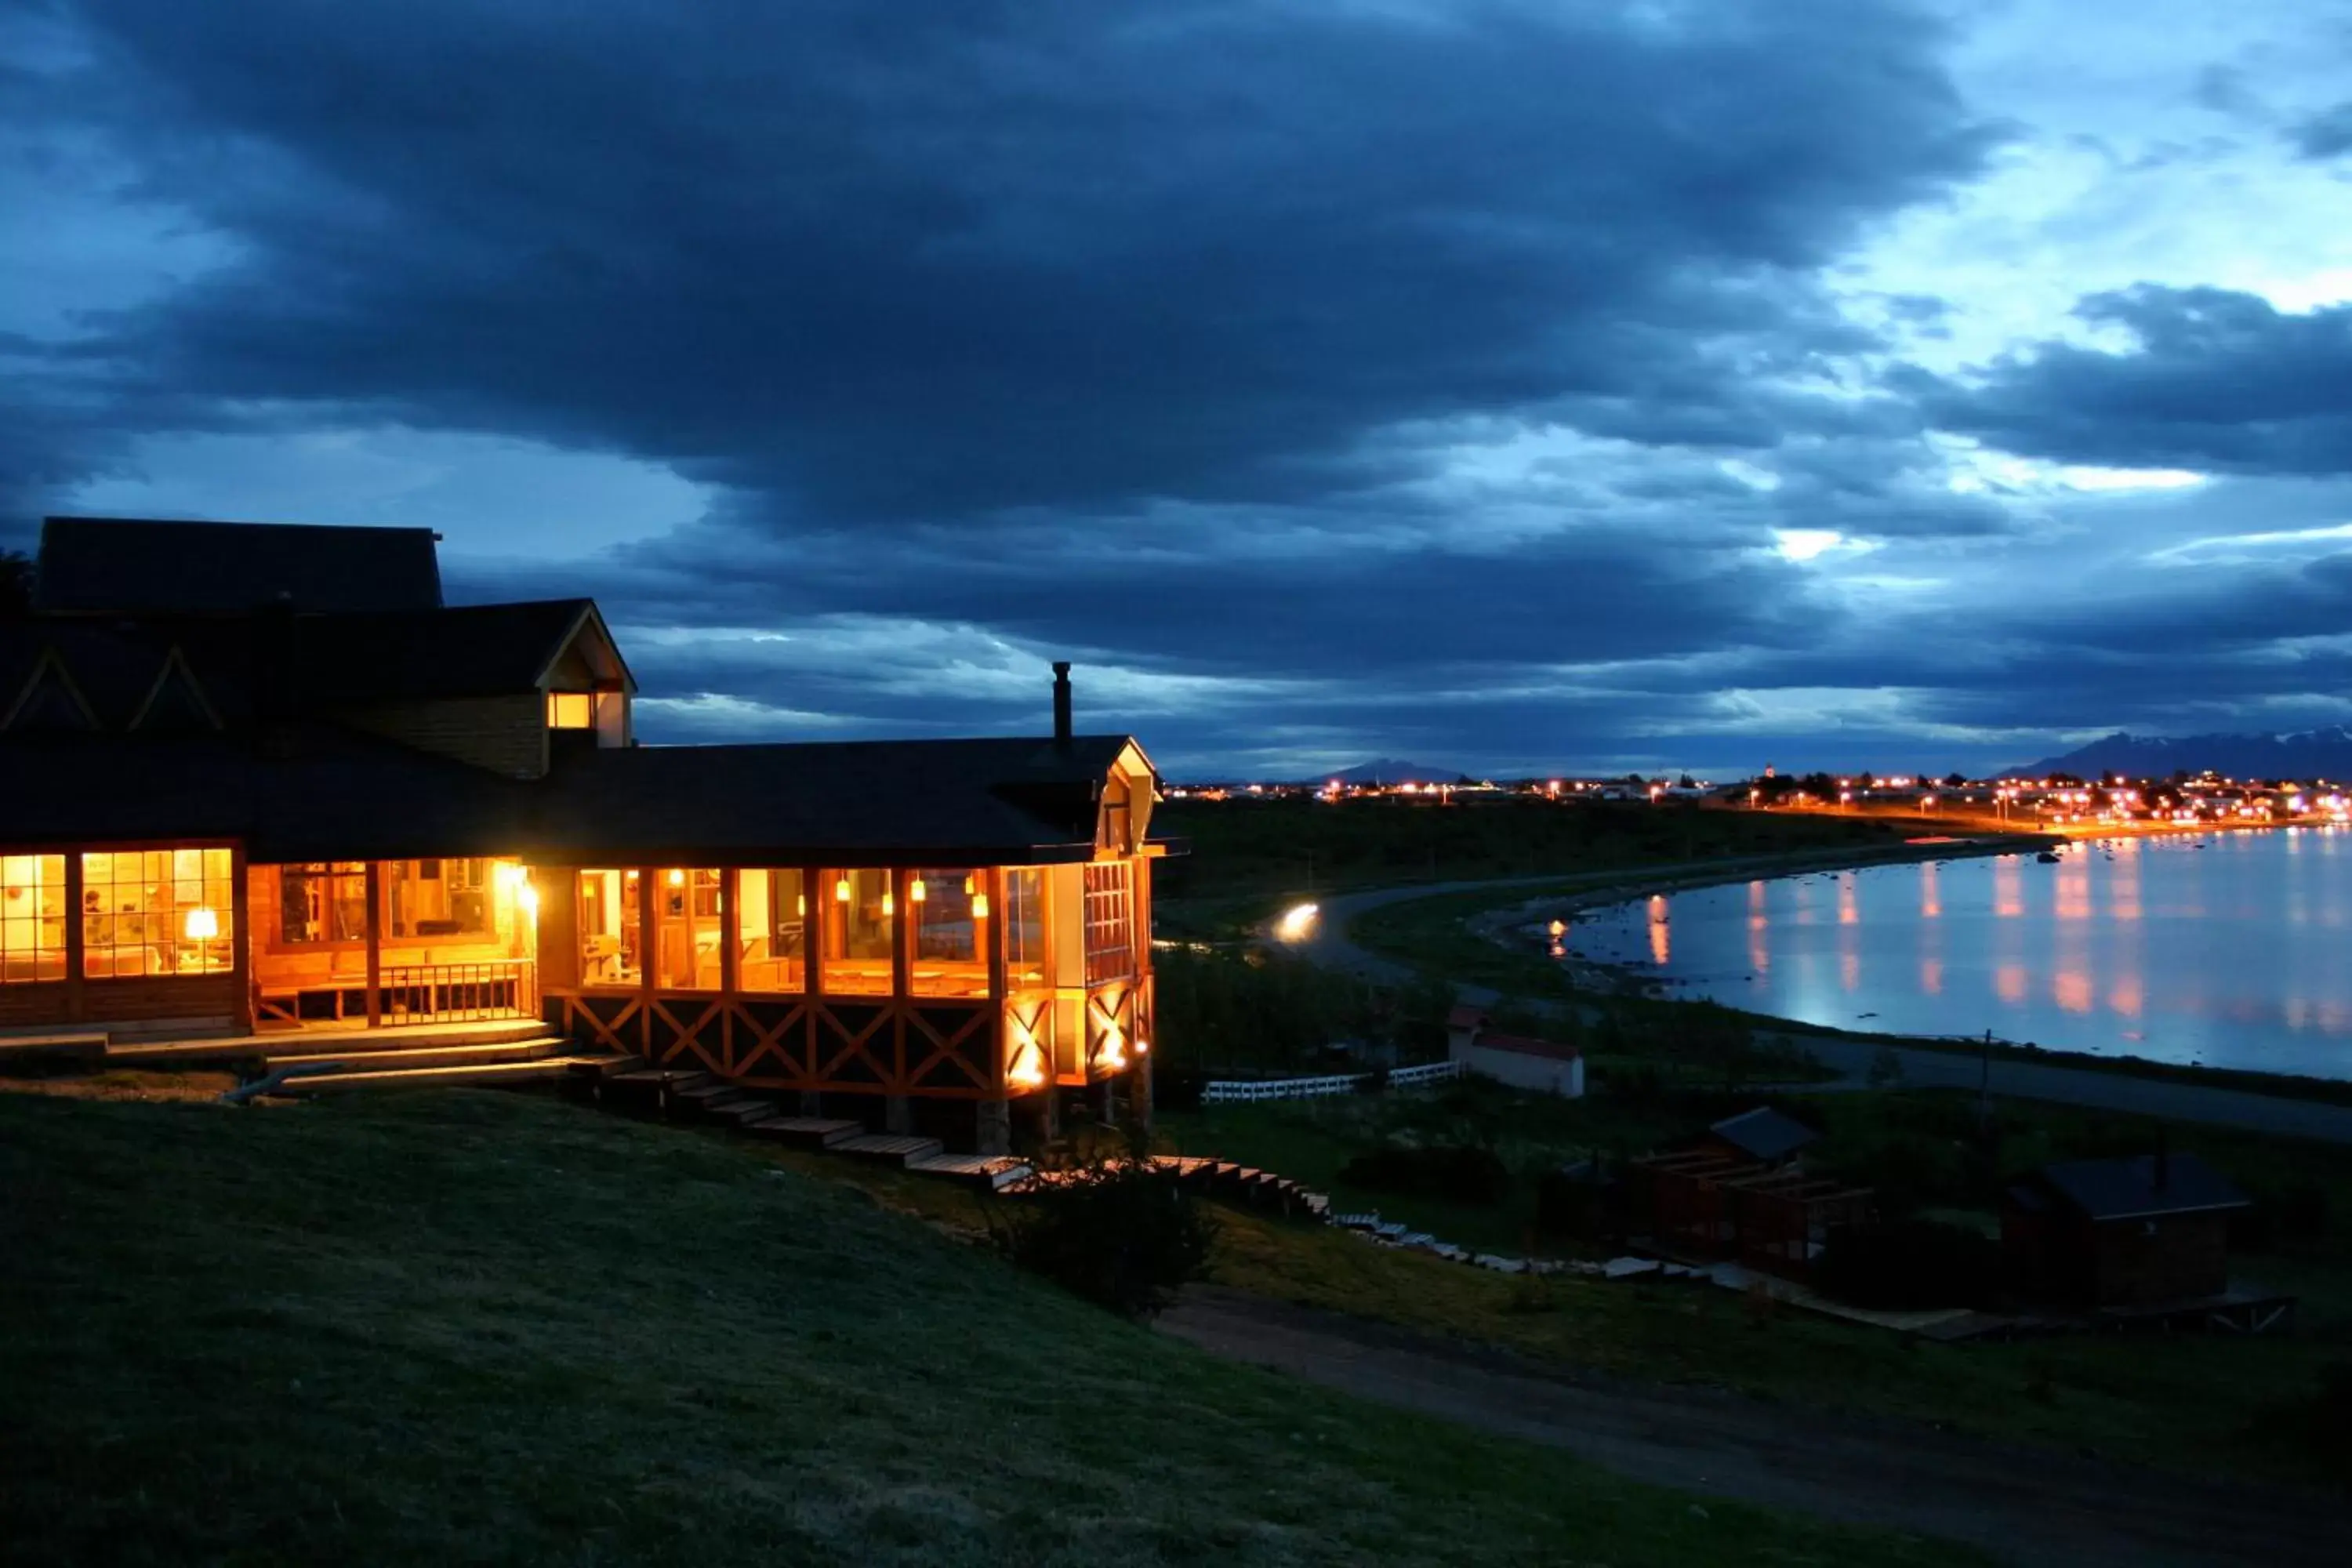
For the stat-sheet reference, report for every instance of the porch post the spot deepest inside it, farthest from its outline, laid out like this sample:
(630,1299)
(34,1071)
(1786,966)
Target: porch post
(374,886)
(648,959)
(816,899)
(993,1133)
(729,960)
(76,940)
(897,1111)
(240,918)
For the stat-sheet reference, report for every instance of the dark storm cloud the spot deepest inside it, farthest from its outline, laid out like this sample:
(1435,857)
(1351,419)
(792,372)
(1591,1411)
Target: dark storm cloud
(940,260)
(2216,380)
(2327,135)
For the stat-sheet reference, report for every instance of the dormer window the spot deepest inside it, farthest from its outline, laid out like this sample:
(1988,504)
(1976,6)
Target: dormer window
(571,711)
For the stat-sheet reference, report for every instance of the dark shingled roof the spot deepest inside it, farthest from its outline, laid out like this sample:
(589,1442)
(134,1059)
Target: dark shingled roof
(1764,1133)
(473,650)
(133,566)
(324,794)
(2128,1188)
(875,802)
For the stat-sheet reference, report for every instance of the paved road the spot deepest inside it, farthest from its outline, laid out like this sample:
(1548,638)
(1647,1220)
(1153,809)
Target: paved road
(1330,944)
(2027,1506)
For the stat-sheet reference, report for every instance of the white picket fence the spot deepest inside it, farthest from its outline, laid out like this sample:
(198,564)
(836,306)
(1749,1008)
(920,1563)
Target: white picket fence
(1224,1090)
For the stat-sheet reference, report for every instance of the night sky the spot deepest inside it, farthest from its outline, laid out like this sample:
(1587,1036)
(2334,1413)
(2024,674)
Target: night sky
(1509,386)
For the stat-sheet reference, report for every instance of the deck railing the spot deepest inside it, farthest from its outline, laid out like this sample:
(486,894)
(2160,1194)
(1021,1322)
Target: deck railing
(1224,1091)
(460,993)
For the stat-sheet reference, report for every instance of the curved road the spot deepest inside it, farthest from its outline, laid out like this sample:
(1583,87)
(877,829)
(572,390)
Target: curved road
(1330,943)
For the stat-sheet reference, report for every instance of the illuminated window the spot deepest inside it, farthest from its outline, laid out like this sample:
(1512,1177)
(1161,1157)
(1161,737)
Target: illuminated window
(947,922)
(1024,927)
(158,911)
(1110,944)
(321,902)
(608,929)
(687,930)
(32,918)
(571,711)
(859,912)
(443,901)
(770,931)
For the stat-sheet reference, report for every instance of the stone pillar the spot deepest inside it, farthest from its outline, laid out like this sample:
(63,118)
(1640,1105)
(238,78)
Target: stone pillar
(812,1104)
(898,1114)
(1106,1102)
(993,1127)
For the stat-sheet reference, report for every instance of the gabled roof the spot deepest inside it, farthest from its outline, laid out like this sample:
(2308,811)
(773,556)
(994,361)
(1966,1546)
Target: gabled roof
(135,566)
(2130,1189)
(1764,1133)
(405,655)
(944,803)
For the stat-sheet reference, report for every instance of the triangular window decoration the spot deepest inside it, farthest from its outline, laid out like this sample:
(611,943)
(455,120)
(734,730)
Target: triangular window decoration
(49,702)
(175,703)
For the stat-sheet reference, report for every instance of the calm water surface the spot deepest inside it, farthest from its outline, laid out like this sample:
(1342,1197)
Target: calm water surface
(2235,949)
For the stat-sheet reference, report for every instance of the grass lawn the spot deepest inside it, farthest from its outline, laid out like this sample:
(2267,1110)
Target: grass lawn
(2192,1402)
(480,1327)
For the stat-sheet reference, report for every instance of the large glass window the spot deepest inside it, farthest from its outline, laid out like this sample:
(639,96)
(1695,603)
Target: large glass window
(32,918)
(444,900)
(771,929)
(1110,943)
(859,910)
(158,911)
(608,929)
(687,930)
(322,901)
(948,919)
(1025,928)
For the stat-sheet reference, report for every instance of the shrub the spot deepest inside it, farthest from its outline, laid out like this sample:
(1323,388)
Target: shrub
(1909,1265)
(1113,1230)
(1456,1172)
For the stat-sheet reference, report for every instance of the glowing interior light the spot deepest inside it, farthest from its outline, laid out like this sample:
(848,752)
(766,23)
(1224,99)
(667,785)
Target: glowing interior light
(889,905)
(980,906)
(202,924)
(841,891)
(677,878)
(800,903)
(527,895)
(916,890)
(1559,929)
(967,884)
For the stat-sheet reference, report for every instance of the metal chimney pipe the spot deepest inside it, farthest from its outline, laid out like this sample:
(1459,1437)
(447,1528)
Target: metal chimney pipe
(1062,701)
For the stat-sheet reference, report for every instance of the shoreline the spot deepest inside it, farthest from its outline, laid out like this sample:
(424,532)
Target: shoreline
(1629,980)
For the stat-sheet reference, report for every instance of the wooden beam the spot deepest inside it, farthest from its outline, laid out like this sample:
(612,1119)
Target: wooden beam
(373,926)
(991,882)
(76,995)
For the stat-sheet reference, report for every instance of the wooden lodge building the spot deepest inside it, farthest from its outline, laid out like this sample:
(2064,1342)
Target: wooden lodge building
(260,778)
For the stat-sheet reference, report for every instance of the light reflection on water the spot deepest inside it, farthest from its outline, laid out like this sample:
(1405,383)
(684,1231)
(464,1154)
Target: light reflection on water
(2227,949)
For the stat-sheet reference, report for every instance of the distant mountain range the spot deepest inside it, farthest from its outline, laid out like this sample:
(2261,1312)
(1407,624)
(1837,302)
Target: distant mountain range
(1389,770)
(2301,754)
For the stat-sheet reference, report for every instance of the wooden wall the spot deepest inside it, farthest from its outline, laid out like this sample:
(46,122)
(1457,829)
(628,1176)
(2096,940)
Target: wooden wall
(504,734)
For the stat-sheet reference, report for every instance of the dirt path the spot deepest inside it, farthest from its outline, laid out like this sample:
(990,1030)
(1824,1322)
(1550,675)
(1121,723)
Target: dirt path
(2025,1506)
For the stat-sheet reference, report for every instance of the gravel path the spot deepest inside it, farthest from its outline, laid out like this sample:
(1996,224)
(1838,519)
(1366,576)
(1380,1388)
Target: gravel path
(2026,1506)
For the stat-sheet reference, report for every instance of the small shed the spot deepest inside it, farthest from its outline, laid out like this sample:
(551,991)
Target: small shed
(2132,1232)
(1762,1136)
(1546,1067)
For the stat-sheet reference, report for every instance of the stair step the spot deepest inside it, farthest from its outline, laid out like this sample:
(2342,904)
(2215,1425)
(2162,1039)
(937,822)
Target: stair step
(717,1091)
(431,1056)
(481,1073)
(744,1112)
(887,1148)
(809,1131)
(606,1066)
(992,1173)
